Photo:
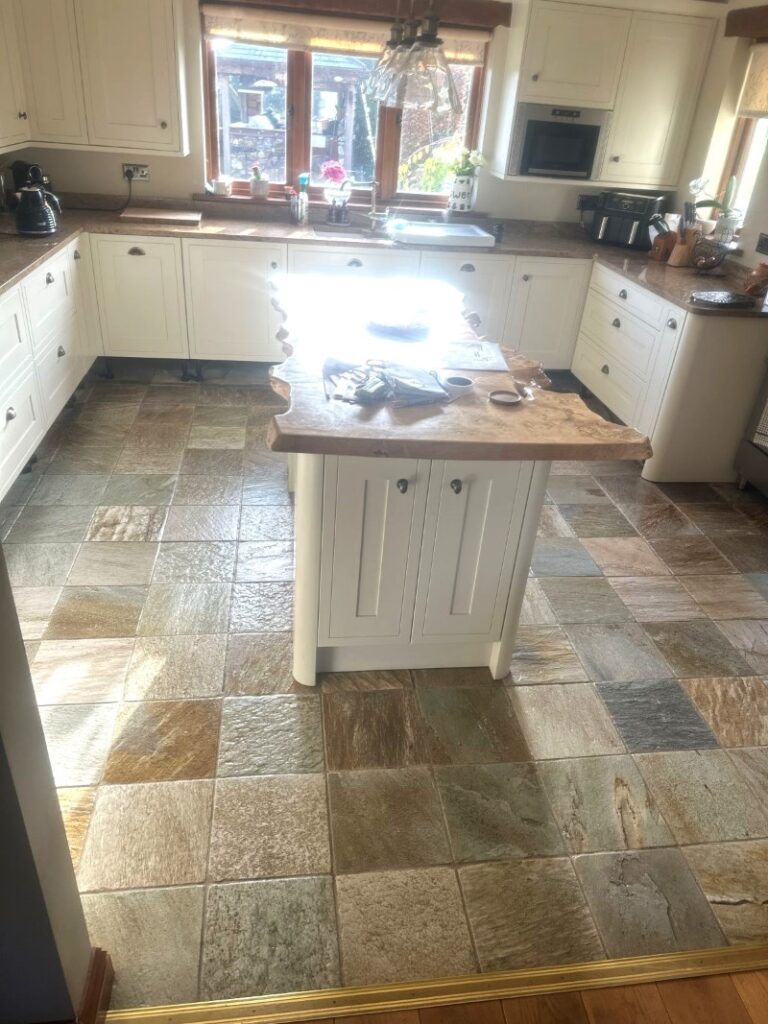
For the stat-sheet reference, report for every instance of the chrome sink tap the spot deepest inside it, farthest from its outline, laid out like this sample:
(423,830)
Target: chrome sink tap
(377,218)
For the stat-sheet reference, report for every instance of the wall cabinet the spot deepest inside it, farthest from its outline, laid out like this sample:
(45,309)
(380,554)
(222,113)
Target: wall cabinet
(14,117)
(131,72)
(141,296)
(229,307)
(485,281)
(50,58)
(573,55)
(663,68)
(545,309)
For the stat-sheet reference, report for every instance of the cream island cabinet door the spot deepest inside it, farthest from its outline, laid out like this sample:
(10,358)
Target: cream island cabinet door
(485,282)
(545,309)
(573,55)
(131,73)
(49,50)
(466,567)
(229,304)
(140,295)
(657,98)
(14,117)
(373,517)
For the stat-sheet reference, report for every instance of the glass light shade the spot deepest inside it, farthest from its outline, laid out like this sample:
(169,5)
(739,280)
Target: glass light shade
(393,82)
(427,80)
(754,95)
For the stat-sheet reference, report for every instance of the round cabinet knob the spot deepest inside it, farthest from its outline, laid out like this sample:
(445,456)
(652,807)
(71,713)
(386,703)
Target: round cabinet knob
(467,268)
(273,264)
(615,159)
(605,368)
(402,485)
(49,278)
(672,323)
(615,322)
(535,76)
(136,251)
(163,125)
(10,414)
(61,351)
(77,255)
(623,293)
(526,277)
(355,262)
(456,486)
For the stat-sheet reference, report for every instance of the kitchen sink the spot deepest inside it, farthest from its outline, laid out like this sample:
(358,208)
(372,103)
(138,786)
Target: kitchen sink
(462,236)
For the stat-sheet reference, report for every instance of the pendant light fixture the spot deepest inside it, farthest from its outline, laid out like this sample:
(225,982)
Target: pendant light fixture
(379,81)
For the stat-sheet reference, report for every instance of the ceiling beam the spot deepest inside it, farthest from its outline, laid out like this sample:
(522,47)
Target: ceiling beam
(477,14)
(747,22)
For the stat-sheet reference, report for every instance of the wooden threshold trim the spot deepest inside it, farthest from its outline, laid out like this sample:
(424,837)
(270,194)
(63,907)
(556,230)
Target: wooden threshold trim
(346,1002)
(98,988)
(467,14)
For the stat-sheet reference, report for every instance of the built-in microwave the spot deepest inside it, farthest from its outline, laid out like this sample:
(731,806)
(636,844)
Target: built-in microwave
(557,142)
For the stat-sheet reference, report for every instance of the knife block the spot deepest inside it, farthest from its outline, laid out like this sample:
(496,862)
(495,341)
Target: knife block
(683,250)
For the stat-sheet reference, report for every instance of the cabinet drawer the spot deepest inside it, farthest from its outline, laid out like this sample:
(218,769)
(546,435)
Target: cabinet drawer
(50,297)
(15,350)
(625,338)
(619,389)
(637,300)
(59,369)
(320,260)
(21,426)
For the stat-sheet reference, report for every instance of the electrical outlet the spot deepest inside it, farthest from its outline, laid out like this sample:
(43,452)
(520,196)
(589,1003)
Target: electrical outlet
(140,171)
(762,243)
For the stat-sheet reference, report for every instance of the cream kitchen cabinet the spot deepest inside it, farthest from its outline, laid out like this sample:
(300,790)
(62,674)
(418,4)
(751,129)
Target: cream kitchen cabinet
(545,309)
(50,57)
(663,69)
(140,292)
(15,347)
(14,117)
(85,285)
(131,60)
(22,425)
(319,259)
(573,55)
(229,309)
(485,282)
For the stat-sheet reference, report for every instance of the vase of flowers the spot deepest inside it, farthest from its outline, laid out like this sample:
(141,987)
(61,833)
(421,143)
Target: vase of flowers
(729,218)
(464,168)
(337,193)
(259,183)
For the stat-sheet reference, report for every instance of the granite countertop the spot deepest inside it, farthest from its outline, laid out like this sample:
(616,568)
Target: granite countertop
(521,238)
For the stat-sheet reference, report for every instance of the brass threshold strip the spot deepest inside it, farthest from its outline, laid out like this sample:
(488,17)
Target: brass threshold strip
(345,1002)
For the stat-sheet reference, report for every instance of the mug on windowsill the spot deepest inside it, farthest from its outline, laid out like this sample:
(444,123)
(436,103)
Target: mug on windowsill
(222,186)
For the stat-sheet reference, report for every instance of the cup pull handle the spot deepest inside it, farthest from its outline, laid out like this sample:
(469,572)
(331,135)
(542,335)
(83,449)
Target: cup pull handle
(402,485)
(77,255)
(467,268)
(273,264)
(456,486)
(136,251)
(615,322)
(605,368)
(355,263)
(49,278)
(61,351)
(535,76)
(623,293)
(10,414)
(526,277)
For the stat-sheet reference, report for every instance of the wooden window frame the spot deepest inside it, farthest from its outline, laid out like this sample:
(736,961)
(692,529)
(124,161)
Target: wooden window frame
(298,142)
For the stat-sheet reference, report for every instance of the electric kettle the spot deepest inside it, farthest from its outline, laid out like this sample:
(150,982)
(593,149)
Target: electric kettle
(35,210)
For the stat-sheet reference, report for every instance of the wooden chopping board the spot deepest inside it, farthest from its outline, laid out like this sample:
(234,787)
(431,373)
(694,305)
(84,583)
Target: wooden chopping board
(156,216)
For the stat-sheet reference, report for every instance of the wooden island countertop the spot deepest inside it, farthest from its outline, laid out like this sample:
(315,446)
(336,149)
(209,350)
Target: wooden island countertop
(551,426)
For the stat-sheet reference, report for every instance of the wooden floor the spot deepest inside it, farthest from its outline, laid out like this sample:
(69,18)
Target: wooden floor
(720,999)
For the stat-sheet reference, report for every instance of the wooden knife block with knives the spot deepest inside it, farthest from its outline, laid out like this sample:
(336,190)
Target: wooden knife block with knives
(687,237)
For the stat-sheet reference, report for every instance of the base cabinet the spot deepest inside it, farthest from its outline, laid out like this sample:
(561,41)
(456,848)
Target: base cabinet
(228,299)
(485,282)
(141,296)
(22,425)
(545,309)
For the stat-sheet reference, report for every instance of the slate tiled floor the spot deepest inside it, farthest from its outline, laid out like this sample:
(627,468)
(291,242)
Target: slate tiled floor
(236,834)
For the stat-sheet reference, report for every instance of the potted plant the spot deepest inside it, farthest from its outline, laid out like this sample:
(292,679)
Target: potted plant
(464,168)
(729,218)
(259,183)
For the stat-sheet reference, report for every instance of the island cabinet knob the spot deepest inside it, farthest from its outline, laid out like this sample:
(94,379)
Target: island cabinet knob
(467,268)
(526,277)
(273,264)
(456,486)
(49,278)
(623,293)
(163,125)
(136,251)
(355,262)
(402,485)
(615,322)
(77,255)
(605,368)
(535,76)
(10,414)
(61,351)
(672,323)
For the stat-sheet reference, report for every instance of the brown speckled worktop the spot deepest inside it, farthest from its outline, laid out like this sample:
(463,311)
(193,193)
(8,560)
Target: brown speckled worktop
(521,238)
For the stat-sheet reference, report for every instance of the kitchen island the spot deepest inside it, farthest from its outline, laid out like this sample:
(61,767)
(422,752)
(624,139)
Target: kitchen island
(415,526)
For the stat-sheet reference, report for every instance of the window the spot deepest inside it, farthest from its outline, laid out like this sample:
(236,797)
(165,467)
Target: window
(291,111)
(748,145)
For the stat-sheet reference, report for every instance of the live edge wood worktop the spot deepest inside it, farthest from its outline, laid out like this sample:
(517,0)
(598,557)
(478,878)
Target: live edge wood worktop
(415,526)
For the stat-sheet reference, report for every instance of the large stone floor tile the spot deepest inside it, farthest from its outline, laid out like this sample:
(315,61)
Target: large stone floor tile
(734,878)
(269,936)
(655,715)
(382,729)
(202,522)
(265,561)
(660,521)
(736,709)
(580,599)
(544,654)
(529,913)
(266,522)
(78,737)
(139,489)
(113,565)
(69,490)
(750,638)
(697,649)
(270,736)
(195,562)
(127,523)
(208,490)
(471,725)
(691,556)
(646,902)
(258,664)
(625,556)
(262,608)
(656,598)
(81,671)
(89,612)
(384,819)
(596,521)
(536,609)
(497,812)
(602,803)
(182,608)
(153,937)
(176,667)
(76,804)
(402,926)
(617,651)
(269,827)
(576,489)
(39,565)
(34,607)
(51,524)
(562,556)
(702,796)
(730,598)
(564,721)
(147,835)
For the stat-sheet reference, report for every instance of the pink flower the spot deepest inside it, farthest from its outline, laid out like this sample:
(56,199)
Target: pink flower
(332,170)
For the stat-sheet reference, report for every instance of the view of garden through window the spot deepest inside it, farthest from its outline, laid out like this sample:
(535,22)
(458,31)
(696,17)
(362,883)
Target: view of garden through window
(251,96)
